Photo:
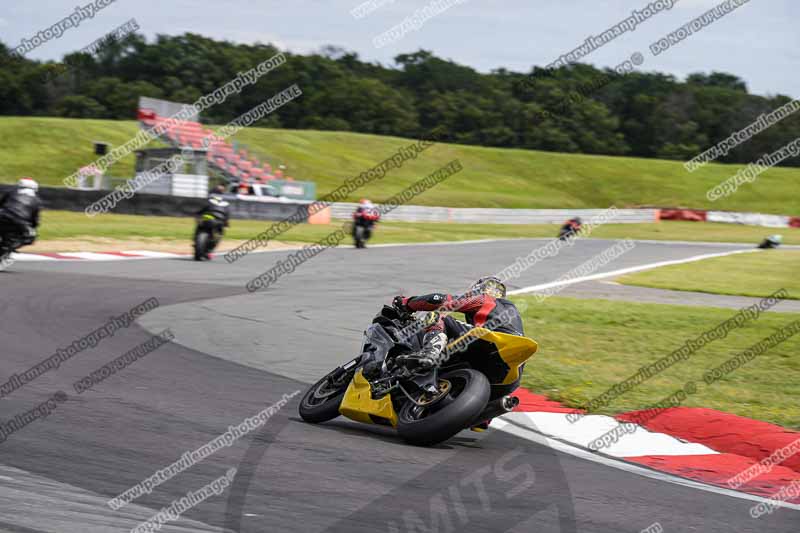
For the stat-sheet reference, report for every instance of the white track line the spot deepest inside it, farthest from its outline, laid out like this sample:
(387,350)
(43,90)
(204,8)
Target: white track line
(523,430)
(446,243)
(149,254)
(387,245)
(621,271)
(704,243)
(146,254)
(91,256)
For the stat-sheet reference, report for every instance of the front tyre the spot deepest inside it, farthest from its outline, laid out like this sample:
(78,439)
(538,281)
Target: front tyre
(321,402)
(467,393)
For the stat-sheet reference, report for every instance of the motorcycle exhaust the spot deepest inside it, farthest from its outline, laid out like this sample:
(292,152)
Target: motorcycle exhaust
(498,407)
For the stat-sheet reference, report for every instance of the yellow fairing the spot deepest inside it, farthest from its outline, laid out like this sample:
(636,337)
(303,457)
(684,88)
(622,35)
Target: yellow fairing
(358,404)
(513,349)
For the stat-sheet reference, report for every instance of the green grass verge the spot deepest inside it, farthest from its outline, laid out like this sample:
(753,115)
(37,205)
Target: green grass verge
(756,274)
(587,346)
(50,149)
(68,224)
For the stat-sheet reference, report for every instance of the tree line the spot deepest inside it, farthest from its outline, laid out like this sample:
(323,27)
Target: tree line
(576,109)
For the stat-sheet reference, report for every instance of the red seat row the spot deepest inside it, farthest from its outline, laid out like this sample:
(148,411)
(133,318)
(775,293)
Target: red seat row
(221,154)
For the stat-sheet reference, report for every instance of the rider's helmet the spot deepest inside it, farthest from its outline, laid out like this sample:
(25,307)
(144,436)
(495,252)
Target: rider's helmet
(775,239)
(28,183)
(577,220)
(490,285)
(365,202)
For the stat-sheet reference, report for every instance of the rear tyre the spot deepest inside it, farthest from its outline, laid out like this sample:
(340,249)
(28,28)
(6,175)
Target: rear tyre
(5,260)
(200,245)
(359,236)
(321,402)
(466,398)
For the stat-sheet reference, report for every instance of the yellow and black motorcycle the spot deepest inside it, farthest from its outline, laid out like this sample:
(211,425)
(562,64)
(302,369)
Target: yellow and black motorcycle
(425,405)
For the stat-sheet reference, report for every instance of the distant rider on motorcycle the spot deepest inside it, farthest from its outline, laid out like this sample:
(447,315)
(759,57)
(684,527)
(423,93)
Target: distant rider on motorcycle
(365,216)
(571,228)
(217,213)
(19,211)
(773,241)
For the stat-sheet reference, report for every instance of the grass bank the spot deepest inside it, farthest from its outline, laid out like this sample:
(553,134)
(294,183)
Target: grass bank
(50,149)
(755,274)
(587,346)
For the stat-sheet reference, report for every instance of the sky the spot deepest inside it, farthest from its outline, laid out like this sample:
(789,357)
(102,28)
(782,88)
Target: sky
(758,42)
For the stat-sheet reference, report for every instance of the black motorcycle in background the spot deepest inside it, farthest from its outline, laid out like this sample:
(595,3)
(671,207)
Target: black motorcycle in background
(11,240)
(207,236)
(212,221)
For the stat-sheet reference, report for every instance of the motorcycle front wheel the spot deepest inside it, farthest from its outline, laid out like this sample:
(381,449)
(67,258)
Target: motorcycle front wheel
(463,395)
(321,402)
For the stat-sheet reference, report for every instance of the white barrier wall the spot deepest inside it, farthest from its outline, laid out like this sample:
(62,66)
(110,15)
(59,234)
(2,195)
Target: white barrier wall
(190,185)
(749,219)
(417,213)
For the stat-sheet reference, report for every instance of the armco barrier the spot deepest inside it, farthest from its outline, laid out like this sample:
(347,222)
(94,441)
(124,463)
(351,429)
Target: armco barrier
(416,213)
(156,204)
(748,219)
(250,208)
(260,210)
(244,207)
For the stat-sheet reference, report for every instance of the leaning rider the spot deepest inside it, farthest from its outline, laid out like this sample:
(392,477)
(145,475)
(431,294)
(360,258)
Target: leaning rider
(484,305)
(19,210)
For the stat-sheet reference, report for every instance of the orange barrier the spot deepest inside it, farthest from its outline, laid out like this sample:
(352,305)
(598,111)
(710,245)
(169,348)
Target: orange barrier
(323,216)
(694,215)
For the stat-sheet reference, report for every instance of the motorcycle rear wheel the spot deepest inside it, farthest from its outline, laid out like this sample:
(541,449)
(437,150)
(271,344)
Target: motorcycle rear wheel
(359,236)
(201,245)
(5,260)
(467,394)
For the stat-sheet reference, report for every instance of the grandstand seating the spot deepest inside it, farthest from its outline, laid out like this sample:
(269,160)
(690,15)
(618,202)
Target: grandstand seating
(236,165)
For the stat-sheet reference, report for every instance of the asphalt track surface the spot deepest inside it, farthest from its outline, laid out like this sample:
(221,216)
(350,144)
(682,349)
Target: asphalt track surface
(236,353)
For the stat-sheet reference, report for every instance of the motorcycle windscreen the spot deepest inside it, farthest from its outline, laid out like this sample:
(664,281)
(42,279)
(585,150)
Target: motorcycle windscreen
(377,343)
(498,355)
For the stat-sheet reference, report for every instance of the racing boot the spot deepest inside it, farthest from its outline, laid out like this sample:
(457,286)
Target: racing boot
(432,354)
(433,351)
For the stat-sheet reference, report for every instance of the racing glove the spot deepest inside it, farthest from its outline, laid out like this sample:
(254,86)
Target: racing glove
(399,302)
